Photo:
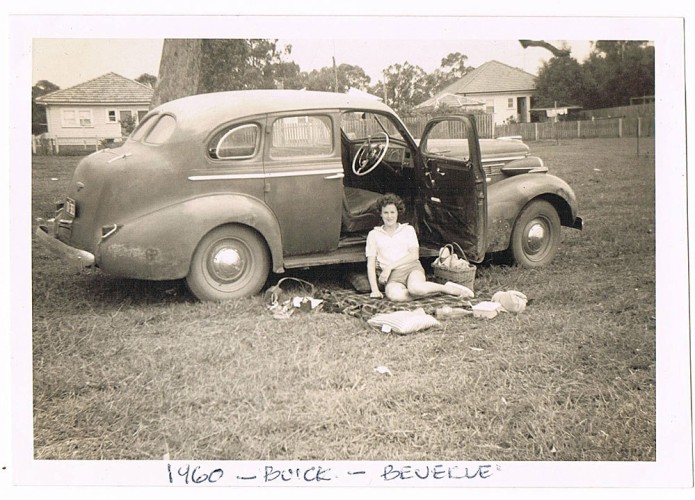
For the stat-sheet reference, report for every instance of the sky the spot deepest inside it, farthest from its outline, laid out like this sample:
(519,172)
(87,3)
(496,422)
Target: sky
(71,61)
(68,50)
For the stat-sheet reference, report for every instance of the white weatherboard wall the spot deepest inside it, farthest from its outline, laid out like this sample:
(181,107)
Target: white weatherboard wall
(99,125)
(502,111)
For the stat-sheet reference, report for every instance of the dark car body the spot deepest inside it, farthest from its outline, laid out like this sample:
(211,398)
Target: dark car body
(222,188)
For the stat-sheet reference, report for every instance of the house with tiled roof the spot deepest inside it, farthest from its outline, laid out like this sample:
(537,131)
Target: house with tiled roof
(505,91)
(104,108)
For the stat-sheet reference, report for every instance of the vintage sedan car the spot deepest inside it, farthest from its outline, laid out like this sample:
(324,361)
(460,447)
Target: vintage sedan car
(222,188)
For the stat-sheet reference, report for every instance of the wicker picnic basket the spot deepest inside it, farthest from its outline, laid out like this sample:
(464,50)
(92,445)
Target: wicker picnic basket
(448,267)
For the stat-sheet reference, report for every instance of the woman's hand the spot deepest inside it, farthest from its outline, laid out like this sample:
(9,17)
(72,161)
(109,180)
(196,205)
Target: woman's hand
(384,276)
(376,294)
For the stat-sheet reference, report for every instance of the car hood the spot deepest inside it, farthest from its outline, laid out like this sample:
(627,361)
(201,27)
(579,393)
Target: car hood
(499,148)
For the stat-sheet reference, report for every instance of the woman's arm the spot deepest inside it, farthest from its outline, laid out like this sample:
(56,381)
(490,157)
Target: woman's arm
(371,274)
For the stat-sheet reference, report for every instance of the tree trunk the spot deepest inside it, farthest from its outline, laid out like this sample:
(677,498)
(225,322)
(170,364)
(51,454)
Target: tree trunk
(179,70)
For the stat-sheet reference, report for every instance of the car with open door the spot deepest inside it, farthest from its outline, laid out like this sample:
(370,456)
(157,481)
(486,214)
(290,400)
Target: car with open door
(221,189)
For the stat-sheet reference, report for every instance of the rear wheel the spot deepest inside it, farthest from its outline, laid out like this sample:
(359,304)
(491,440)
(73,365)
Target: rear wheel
(230,262)
(536,235)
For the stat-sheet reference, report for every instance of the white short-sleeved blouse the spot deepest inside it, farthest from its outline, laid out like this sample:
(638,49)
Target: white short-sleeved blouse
(390,248)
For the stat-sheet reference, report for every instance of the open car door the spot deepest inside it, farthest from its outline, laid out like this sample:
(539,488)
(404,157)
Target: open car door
(452,186)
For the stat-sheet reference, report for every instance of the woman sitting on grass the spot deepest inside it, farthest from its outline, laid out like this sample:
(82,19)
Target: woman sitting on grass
(395,248)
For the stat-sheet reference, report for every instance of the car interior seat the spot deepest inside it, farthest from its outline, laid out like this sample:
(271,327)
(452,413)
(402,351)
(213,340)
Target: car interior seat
(359,210)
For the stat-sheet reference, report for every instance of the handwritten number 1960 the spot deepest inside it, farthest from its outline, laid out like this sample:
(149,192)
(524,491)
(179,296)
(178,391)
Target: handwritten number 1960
(194,476)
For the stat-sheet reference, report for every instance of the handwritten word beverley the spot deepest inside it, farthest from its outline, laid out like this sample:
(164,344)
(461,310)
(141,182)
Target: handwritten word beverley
(188,474)
(436,472)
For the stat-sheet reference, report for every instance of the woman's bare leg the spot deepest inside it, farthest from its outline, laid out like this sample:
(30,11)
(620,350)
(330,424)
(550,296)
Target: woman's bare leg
(397,292)
(418,286)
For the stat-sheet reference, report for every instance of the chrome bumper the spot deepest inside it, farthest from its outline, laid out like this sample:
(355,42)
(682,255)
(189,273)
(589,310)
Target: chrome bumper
(75,256)
(578,223)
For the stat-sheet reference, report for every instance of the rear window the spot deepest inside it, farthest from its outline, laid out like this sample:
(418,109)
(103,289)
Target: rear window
(142,128)
(162,130)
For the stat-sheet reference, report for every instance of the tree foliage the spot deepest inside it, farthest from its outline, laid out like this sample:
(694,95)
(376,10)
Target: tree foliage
(241,64)
(147,79)
(559,82)
(452,68)
(38,112)
(336,79)
(627,70)
(614,72)
(407,86)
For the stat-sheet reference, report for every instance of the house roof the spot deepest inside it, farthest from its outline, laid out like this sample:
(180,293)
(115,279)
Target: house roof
(446,100)
(488,78)
(106,89)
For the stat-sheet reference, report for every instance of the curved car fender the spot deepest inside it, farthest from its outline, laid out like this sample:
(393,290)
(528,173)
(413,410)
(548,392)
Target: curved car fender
(160,245)
(506,199)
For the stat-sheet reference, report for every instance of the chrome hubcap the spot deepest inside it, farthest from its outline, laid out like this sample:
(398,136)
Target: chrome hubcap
(227,264)
(537,240)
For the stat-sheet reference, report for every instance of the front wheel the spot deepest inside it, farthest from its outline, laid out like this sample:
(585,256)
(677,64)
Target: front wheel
(229,262)
(536,235)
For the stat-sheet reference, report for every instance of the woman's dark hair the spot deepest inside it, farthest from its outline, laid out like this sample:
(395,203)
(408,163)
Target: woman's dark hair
(391,199)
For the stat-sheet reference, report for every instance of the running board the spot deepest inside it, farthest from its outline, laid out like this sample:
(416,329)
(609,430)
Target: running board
(343,255)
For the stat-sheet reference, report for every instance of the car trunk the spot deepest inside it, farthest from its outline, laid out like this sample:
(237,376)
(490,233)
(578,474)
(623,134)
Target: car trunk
(78,222)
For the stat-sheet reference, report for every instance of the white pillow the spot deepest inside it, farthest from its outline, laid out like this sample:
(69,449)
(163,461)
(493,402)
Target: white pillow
(404,321)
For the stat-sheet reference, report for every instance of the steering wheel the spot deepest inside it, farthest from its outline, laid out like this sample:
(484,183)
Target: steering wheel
(369,156)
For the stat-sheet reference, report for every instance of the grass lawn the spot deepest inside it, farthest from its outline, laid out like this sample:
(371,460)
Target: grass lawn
(129,369)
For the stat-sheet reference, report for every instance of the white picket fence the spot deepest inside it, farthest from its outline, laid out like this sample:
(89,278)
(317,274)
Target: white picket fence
(45,144)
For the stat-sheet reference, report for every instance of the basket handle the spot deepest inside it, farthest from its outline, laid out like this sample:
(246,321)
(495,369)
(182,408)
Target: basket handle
(451,248)
(463,254)
(298,280)
(272,294)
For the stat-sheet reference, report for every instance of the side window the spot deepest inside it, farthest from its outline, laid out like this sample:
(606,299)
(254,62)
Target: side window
(238,142)
(448,138)
(297,136)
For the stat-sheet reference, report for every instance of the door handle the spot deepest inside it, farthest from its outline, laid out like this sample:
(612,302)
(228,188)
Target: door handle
(335,176)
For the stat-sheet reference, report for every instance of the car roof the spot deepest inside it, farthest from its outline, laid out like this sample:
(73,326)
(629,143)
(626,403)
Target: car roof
(205,110)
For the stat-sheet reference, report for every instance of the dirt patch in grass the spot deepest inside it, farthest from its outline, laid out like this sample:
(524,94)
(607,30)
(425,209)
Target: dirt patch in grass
(127,369)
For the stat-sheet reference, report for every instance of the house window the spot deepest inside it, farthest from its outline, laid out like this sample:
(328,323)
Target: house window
(85,117)
(141,114)
(489,105)
(111,116)
(69,118)
(510,103)
(126,115)
(76,117)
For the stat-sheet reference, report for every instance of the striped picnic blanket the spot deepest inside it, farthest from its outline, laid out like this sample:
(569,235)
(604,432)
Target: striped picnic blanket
(361,305)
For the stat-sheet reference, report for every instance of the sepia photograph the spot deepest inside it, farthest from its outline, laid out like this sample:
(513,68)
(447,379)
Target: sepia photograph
(350,252)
